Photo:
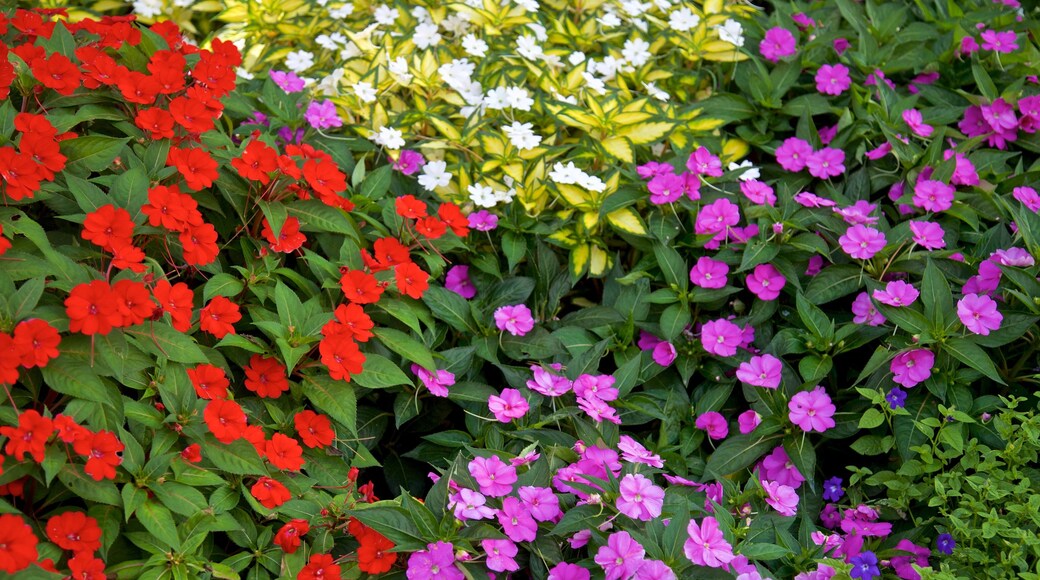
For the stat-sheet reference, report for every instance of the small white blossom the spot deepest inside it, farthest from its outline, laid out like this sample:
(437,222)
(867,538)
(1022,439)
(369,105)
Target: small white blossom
(421,14)
(572,100)
(341,12)
(482,195)
(504,196)
(751,173)
(732,32)
(474,46)
(148,8)
(663,4)
(386,15)
(364,91)
(183,3)
(592,183)
(496,99)
(329,86)
(350,51)
(434,175)
(594,83)
(456,24)
(609,20)
(636,52)
(426,35)
(325,41)
(299,61)
(653,91)
(518,99)
(528,5)
(456,74)
(244,74)
(575,58)
(565,174)
(528,47)
(658,149)
(640,24)
(635,7)
(539,31)
(683,19)
(522,136)
(399,68)
(389,137)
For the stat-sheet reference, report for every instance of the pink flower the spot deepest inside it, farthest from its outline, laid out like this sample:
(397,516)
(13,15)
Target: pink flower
(665,188)
(791,155)
(654,570)
(1028,196)
(653,168)
(783,498)
(639,498)
(494,476)
(803,20)
(323,115)
(565,571)
(879,151)
(437,382)
(500,555)
(546,383)
(766,282)
(931,195)
(516,521)
(469,505)
(1029,108)
(968,45)
(620,557)
(482,221)
(598,410)
(598,386)
(826,163)
(979,314)
(840,45)
(815,265)
(714,424)
(928,235)
(634,452)
(761,371)
(812,410)
(897,293)
(709,273)
(716,217)
(916,122)
(515,319)
(862,242)
(721,337)
(408,162)
(833,80)
(1000,115)
(664,353)
(807,199)
(865,312)
(912,367)
(1004,41)
(748,420)
(922,79)
(973,124)
(964,171)
(541,502)
(287,81)
(1019,257)
(508,406)
(702,162)
(778,43)
(707,546)
(827,134)
(758,192)
(858,213)
(777,466)
(457,280)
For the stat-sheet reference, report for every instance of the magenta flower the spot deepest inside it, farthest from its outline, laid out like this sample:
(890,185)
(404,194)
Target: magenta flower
(565,571)
(639,498)
(692,185)
(902,564)
(833,80)
(1028,196)
(1018,257)
(826,163)
(620,557)
(457,280)
(654,168)
(470,505)
(482,221)
(287,81)
(812,410)
(541,503)
(827,134)
(702,162)
(1000,115)
(515,319)
(664,353)
(436,561)
(666,188)
(716,217)
(777,466)
(500,555)
(815,265)
(494,476)
(964,172)
(595,386)
(748,420)
(912,367)
(409,162)
(929,235)
(1005,41)
(546,383)
(709,273)
(803,20)
(840,45)
(598,410)
(322,115)
(862,242)
(766,282)
(879,151)
(897,293)
(913,118)
(858,213)
(922,79)
(634,452)
(714,424)
(707,546)
(931,195)
(516,521)
(761,371)
(778,43)
(968,45)
(865,312)
(1029,108)
(783,498)
(791,155)
(807,199)
(758,192)
(654,570)
(508,406)
(979,314)
(721,337)
(437,382)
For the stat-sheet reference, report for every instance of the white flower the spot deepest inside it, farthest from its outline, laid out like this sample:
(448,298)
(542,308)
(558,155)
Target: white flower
(653,91)
(182,3)
(663,4)
(683,19)
(496,99)
(434,175)
(575,58)
(640,24)
(299,61)
(482,195)
(399,68)
(341,12)
(609,67)
(570,100)
(749,174)
(389,137)
(609,20)
(386,15)
(539,31)
(456,24)
(518,99)
(528,47)
(148,8)
(592,183)
(635,7)
(421,14)
(565,174)
(658,149)
(329,86)
(504,196)
(325,41)
(636,51)
(731,31)
(474,46)
(365,92)
(522,136)
(350,51)
(528,5)
(456,74)
(244,74)
(426,35)
(594,83)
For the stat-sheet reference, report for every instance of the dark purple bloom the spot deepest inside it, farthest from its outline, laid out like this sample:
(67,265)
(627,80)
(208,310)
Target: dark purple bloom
(945,544)
(865,566)
(896,398)
(832,490)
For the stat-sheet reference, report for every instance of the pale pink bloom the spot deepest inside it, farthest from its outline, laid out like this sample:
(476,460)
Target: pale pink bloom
(515,319)
(865,312)
(547,383)
(833,80)
(494,476)
(812,200)
(758,192)
(633,452)
(709,273)
(500,555)
(929,235)
(508,406)
(721,337)
(761,371)
(706,545)
(897,293)
(912,367)
(783,498)
(714,424)
(826,163)
(791,155)
(748,420)
(639,498)
(979,314)
(812,410)
(862,242)
(766,282)
(1018,257)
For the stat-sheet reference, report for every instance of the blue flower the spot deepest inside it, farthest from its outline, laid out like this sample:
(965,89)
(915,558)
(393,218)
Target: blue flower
(865,566)
(945,543)
(896,398)
(832,490)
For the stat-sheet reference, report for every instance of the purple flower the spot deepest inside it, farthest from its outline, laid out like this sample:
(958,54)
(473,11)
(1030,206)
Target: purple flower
(758,192)
(457,280)
(832,490)
(634,452)
(827,134)
(565,571)
(664,353)
(879,151)
(702,162)
(715,217)
(748,421)
(500,555)
(897,293)
(778,43)
(287,81)
(654,570)
(896,398)
(968,45)
(840,45)
(777,466)
(665,188)
(761,371)
(1004,41)
(515,319)
(653,168)
(782,498)
(815,265)
(516,521)
(864,566)
(706,545)
(469,505)
(289,136)
(595,386)
(826,163)
(1000,115)
(766,282)
(709,273)
(639,498)
(807,199)
(862,242)
(791,155)
(979,314)
(964,170)
(409,162)
(541,503)
(508,406)
(483,220)
(494,476)
(721,337)
(620,557)
(931,195)
(929,235)
(812,410)
(865,312)
(912,367)
(913,118)
(902,564)
(833,80)
(945,544)
(436,382)
(1019,257)
(322,115)
(714,424)
(436,561)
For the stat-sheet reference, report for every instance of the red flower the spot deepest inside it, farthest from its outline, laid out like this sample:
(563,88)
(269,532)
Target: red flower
(177,300)
(320,567)
(289,239)
(209,381)
(108,224)
(30,436)
(315,430)
(341,355)
(411,280)
(350,319)
(74,531)
(134,303)
(5,244)
(99,68)
(431,228)
(200,244)
(20,174)
(288,537)
(324,177)
(373,554)
(17,544)
(44,150)
(137,87)
(266,377)
(270,493)
(192,453)
(126,256)
(360,287)
(254,434)
(91,308)
(32,23)
(388,253)
(57,72)
(68,430)
(6,72)
(195,164)
(157,122)
(170,208)
(225,419)
(284,452)
(407,206)
(191,114)
(84,566)
(37,341)
(219,316)
(10,359)
(168,68)
(101,450)
(256,162)
(452,215)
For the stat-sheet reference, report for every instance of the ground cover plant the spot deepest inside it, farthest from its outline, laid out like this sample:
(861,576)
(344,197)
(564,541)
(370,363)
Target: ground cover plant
(552,290)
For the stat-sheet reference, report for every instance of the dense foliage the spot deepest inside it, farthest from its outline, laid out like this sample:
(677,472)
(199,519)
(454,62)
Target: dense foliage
(598,289)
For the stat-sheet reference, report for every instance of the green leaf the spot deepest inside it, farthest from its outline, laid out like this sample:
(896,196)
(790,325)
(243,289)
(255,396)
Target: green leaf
(275,213)
(833,282)
(83,486)
(814,367)
(334,398)
(377,183)
(672,266)
(758,252)
(179,498)
(130,190)
(593,317)
(316,216)
(159,522)
(161,339)
(514,246)
(757,551)
(7,115)
(937,298)
(738,452)
(966,351)
(406,346)
(905,317)
(60,41)
(673,320)
(450,307)
(393,522)
(814,319)
(871,418)
(24,301)
(75,378)
(799,448)
(238,457)
(984,82)
(88,196)
(92,152)
(222,284)
(381,373)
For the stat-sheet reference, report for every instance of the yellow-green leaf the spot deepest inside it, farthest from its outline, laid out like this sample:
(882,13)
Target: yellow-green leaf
(627,220)
(619,147)
(646,132)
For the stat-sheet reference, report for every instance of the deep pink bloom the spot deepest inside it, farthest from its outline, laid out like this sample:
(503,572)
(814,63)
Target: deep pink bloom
(322,115)
(826,163)
(766,282)
(654,570)
(897,293)
(807,199)
(639,498)
(792,154)
(931,195)
(653,168)
(541,502)
(964,172)
(721,337)
(968,45)
(783,498)
(979,314)
(1004,41)
(879,151)
(620,557)
(761,371)
(664,353)
(702,162)
(515,319)
(778,43)
(595,386)
(516,521)
(482,221)
(758,192)
(436,561)
(598,410)
(803,20)
(287,81)
(862,242)
(714,424)
(1019,257)
(858,213)
(1000,115)
(748,420)
(665,188)
(902,564)
(912,367)
(709,273)
(436,382)
(973,124)
(1029,108)
(565,571)
(634,452)
(827,134)
(500,555)
(833,80)
(706,545)
(408,162)
(1028,196)
(815,265)
(922,79)
(840,45)
(865,312)
(716,217)
(812,410)
(547,383)
(508,406)
(494,476)
(777,466)
(916,122)
(929,235)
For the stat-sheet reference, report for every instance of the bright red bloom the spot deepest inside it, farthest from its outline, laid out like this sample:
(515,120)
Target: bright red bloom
(452,215)
(324,177)
(32,23)
(68,430)
(191,114)
(18,544)
(257,160)
(20,174)
(315,430)
(284,452)
(57,72)
(289,239)
(288,537)
(6,72)
(407,206)
(10,359)
(5,244)
(14,489)
(225,419)
(74,531)
(411,280)
(199,244)
(102,452)
(431,228)
(266,377)
(34,123)
(270,493)
(254,434)
(195,164)
(172,209)
(107,224)
(388,252)
(219,316)
(137,87)
(84,566)
(350,319)
(177,300)
(360,287)
(134,302)
(30,436)
(342,356)
(210,382)
(126,256)
(373,554)
(168,69)
(320,567)
(157,122)
(98,68)
(44,150)
(192,453)
(91,308)
(37,342)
